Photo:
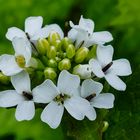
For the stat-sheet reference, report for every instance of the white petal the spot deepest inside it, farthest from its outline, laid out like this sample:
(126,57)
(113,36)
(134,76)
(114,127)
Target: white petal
(33,24)
(90,113)
(42,33)
(96,68)
(22,47)
(72,34)
(8,65)
(25,111)
(10,98)
(68,83)
(101,37)
(21,82)
(90,87)
(52,114)
(105,54)
(45,92)
(45,31)
(87,24)
(115,81)
(81,38)
(105,100)
(14,32)
(77,107)
(121,67)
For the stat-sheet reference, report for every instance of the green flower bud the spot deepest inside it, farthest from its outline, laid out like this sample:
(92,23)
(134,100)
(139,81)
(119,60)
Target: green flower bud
(65,43)
(57,59)
(105,126)
(81,54)
(53,36)
(65,64)
(4,79)
(83,71)
(36,64)
(92,52)
(58,45)
(44,60)
(52,63)
(20,61)
(70,51)
(42,46)
(52,52)
(50,73)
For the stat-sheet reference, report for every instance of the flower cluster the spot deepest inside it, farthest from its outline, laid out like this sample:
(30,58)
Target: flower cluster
(70,67)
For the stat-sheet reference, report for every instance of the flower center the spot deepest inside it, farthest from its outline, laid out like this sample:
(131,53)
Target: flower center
(20,61)
(90,96)
(61,98)
(107,67)
(27,95)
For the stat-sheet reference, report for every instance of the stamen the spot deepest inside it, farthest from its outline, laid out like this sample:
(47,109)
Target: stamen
(28,96)
(107,67)
(33,45)
(90,96)
(81,44)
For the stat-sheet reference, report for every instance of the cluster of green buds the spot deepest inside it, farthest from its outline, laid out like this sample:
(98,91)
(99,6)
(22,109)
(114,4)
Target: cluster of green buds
(56,54)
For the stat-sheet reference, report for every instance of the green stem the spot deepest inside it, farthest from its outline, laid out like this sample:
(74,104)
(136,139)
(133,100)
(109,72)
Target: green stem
(85,129)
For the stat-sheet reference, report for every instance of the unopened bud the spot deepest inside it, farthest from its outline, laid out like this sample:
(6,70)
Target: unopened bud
(65,64)
(4,79)
(70,51)
(83,71)
(42,46)
(53,36)
(36,63)
(44,60)
(20,61)
(81,54)
(58,44)
(105,126)
(92,52)
(50,73)
(52,63)
(65,43)
(52,52)
(58,59)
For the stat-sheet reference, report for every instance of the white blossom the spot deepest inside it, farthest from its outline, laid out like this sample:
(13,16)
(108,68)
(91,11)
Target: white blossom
(21,97)
(104,66)
(84,35)
(91,91)
(33,30)
(65,94)
(10,64)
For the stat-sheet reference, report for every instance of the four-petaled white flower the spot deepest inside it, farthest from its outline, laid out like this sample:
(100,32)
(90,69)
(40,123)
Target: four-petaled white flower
(34,30)
(84,36)
(65,94)
(91,91)
(104,66)
(22,97)
(13,64)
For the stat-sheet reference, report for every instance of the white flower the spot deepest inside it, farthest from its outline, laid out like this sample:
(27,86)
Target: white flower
(33,30)
(104,66)
(13,64)
(91,91)
(66,94)
(21,97)
(84,36)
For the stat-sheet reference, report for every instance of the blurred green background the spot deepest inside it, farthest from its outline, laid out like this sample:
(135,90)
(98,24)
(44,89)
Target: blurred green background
(122,19)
